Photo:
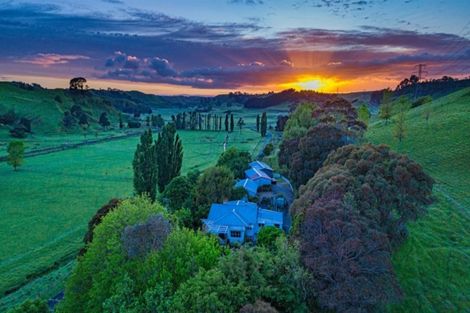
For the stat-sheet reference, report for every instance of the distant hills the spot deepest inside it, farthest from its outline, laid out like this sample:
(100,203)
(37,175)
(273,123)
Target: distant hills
(29,107)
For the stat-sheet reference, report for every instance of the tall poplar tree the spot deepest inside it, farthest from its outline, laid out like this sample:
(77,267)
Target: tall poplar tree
(169,156)
(232,123)
(264,124)
(145,166)
(226,122)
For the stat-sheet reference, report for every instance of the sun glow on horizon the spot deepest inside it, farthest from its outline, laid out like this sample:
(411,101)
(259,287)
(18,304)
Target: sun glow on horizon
(316,83)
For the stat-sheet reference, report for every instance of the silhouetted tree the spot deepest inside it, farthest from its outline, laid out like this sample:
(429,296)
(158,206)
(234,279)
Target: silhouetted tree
(77,83)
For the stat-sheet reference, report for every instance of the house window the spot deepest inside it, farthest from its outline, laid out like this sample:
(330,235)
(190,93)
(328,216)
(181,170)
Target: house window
(277,225)
(260,225)
(235,233)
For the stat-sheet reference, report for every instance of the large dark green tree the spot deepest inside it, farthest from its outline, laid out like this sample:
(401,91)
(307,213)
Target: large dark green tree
(177,193)
(169,155)
(145,166)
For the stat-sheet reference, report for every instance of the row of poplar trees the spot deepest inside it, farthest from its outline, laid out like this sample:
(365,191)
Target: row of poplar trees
(198,121)
(157,163)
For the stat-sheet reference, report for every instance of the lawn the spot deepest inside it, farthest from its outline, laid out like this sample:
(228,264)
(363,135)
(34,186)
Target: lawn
(433,265)
(46,205)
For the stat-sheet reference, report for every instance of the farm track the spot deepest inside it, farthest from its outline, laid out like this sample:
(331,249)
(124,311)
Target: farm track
(68,146)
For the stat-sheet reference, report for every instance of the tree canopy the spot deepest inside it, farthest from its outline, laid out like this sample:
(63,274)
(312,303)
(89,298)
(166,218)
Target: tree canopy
(303,157)
(235,160)
(109,279)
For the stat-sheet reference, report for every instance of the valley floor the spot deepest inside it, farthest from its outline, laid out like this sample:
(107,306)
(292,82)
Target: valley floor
(46,205)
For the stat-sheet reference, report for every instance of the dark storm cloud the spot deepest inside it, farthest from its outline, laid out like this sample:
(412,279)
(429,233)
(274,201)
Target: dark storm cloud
(153,47)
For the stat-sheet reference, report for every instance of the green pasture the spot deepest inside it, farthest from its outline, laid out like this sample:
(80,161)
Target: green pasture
(433,266)
(45,206)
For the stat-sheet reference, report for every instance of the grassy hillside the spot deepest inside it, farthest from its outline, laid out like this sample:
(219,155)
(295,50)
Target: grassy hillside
(47,106)
(46,205)
(433,265)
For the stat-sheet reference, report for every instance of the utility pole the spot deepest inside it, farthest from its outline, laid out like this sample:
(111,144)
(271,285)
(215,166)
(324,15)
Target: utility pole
(420,73)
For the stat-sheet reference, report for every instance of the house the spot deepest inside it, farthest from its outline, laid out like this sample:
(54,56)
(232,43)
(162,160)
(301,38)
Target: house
(261,166)
(259,177)
(235,222)
(250,186)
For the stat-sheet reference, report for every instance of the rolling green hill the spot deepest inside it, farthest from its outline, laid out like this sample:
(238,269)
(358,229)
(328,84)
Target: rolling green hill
(433,265)
(46,107)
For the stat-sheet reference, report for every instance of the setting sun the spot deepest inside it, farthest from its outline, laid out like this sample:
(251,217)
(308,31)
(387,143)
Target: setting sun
(316,83)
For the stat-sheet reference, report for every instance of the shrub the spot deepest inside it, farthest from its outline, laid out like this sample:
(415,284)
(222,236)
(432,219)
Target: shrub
(268,235)
(134,124)
(268,149)
(421,101)
(31,306)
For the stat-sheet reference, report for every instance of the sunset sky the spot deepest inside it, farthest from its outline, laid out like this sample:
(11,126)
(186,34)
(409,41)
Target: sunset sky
(215,46)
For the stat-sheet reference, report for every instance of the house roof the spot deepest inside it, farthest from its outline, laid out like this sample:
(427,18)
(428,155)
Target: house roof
(233,213)
(254,174)
(260,165)
(268,216)
(249,186)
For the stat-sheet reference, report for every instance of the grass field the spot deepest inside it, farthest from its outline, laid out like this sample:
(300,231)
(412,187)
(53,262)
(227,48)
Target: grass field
(433,266)
(46,205)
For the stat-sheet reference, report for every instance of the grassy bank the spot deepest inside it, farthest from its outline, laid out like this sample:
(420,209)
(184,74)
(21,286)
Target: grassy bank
(432,265)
